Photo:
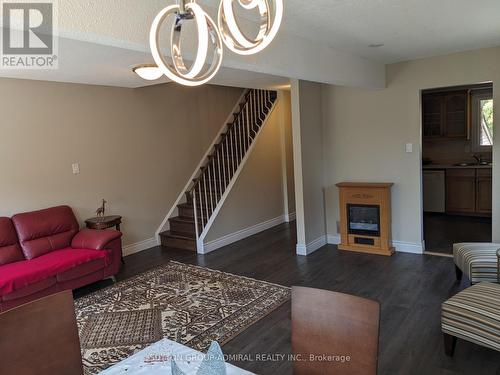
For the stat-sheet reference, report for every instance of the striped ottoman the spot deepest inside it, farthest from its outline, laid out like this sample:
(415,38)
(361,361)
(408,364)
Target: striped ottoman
(472,315)
(478,261)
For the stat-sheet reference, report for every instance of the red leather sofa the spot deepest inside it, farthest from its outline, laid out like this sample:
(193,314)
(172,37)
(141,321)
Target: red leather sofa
(44,252)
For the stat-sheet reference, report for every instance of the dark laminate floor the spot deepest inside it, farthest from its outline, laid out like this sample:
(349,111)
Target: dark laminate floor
(442,231)
(410,288)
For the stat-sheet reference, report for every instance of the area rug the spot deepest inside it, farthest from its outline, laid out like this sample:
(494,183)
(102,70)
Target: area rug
(188,304)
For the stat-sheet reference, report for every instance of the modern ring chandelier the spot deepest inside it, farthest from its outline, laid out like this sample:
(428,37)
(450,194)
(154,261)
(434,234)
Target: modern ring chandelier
(225,31)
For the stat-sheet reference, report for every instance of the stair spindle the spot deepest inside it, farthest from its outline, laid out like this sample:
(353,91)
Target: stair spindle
(240,137)
(249,109)
(219,170)
(227,160)
(197,190)
(205,191)
(232,155)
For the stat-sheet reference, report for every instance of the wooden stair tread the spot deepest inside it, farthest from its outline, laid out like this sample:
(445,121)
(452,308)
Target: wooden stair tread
(181,219)
(188,206)
(176,241)
(169,233)
(215,179)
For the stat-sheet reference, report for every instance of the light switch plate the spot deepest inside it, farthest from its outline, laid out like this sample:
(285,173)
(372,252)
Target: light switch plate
(76,168)
(409,148)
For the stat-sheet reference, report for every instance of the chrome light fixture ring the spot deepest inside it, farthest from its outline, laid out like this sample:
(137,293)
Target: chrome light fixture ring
(207,28)
(232,36)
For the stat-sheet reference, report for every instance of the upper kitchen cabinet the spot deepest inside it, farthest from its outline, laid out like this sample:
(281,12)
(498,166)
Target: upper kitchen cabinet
(433,115)
(445,115)
(456,114)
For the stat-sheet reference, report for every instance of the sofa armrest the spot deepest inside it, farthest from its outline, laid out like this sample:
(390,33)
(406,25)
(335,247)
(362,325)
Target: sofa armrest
(94,239)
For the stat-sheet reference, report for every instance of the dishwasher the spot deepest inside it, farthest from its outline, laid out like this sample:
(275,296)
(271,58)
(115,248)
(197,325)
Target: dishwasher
(434,191)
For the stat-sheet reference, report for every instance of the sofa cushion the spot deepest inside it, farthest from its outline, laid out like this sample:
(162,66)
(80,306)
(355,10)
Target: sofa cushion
(10,251)
(81,270)
(474,315)
(478,261)
(46,230)
(15,276)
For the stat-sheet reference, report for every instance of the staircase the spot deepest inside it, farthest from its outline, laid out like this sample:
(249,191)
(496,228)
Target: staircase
(211,185)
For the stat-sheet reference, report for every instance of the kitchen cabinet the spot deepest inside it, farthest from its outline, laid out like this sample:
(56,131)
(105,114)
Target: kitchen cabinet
(483,191)
(445,115)
(456,115)
(468,191)
(433,115)
(461,190)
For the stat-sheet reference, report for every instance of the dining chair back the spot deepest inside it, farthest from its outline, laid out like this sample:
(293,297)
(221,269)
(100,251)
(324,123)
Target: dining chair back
(334,333)
(41,338)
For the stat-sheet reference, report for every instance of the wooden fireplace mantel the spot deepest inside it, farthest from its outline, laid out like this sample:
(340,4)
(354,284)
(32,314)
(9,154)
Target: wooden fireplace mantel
(369,195)
(365,184)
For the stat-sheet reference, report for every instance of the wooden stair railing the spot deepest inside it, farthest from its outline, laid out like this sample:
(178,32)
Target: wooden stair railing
(216,177)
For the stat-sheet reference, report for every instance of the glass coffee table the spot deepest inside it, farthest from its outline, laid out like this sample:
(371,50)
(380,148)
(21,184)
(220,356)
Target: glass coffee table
(155,360)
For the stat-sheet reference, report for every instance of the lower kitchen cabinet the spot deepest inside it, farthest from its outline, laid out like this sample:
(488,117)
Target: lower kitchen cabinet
(461,190)
(468,191)
(483,191)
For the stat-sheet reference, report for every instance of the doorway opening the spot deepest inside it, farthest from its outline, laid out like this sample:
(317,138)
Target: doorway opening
(457,140)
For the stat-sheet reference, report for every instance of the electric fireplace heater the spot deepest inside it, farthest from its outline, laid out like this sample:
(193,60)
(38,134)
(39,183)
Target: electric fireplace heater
(365,217)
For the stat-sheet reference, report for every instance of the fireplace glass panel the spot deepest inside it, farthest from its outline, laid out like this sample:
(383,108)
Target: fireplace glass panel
(364,219)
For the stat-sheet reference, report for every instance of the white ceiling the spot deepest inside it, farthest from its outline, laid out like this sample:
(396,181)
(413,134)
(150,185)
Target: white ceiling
(321,40)
(409,29)
(125,25)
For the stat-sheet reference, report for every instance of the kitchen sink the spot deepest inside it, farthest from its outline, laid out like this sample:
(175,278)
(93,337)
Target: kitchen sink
(472,164)
(465,164)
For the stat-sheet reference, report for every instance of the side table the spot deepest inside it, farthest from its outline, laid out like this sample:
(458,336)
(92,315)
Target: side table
(105,222)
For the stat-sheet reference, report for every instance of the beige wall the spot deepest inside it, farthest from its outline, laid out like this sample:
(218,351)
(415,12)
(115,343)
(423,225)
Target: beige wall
(287,152)
(136,148)
(307,123)
(258,194)
(366,131)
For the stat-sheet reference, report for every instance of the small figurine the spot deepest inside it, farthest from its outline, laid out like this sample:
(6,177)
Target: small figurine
(101,210)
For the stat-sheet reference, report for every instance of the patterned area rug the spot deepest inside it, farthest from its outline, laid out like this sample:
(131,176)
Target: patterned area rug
(188,304)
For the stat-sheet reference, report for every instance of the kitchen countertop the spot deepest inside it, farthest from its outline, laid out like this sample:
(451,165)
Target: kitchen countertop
(445,166)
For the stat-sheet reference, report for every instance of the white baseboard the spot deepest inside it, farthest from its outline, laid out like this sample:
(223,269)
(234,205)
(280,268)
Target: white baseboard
(241,234)
(333,239)
(311,247)
(408,247)
(215,244)
(400,246)
(139,246)
(290,217)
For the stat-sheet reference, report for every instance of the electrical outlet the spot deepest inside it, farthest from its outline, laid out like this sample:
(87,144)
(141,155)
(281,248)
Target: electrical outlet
(409,148)
(76,168)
